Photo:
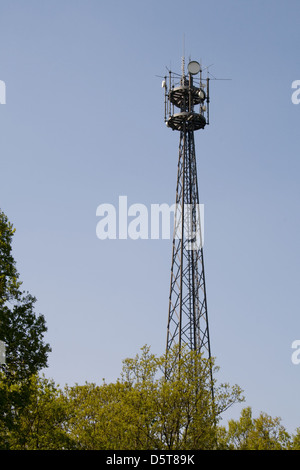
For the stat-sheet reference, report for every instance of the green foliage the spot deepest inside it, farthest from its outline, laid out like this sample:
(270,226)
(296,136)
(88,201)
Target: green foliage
(262,433)
(141,410)
(33,416)
(26,353)
(144,410)
(20,328)
(23,332)
(9,284)
(295,445)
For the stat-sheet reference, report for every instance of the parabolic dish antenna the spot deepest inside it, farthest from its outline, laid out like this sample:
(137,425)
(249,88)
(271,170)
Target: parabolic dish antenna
(193,67)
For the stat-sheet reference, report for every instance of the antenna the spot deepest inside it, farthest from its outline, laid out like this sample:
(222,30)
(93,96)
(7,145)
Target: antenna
(183,57)
(189,96)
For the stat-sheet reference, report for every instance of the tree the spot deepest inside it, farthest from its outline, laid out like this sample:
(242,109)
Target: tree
(38,423)
(144,410)
(262,433)
(9,284)
(100,417)
(20,328)
(22,331)
(296,440)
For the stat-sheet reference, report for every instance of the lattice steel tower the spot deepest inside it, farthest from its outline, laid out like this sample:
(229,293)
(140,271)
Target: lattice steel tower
(187,319)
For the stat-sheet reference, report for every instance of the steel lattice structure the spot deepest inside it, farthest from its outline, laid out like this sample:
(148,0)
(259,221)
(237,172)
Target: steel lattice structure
(187,318)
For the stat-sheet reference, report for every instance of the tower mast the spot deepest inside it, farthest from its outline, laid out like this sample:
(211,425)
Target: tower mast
(186,111)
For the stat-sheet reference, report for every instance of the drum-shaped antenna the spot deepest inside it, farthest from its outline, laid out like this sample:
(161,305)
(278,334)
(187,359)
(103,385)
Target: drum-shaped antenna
(194,67)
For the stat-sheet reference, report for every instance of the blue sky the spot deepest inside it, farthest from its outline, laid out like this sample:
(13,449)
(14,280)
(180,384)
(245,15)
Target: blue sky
(83,124)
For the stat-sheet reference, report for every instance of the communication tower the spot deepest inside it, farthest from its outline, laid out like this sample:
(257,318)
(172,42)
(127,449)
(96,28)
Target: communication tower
(186,111)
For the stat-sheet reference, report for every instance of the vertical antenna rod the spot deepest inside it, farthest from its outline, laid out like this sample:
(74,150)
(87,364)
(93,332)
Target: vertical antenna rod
(183,59)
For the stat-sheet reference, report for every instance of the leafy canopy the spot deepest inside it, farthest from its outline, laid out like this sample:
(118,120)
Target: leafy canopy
(20,328)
